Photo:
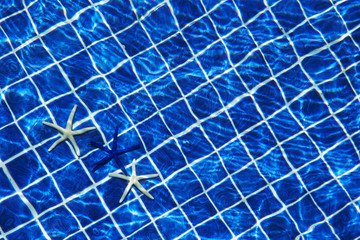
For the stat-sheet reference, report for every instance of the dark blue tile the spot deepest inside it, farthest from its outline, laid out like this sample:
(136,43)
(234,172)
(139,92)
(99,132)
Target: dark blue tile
(79,68)
(34,57)
(224,195)
(5,115)
(72,7)
(321,231)
(214,60)
(253,70)
(91,27)
(200,34)
(239,218)
(103,230)
(29,231)
(6,187)
(168,159)
(134,39)
(349,182)
(106,55)
(188,188)
(315,174)
(10,70)
(204,102)
(310,108)
(305,213)
(315,7)
(264,203)
(269,98)
(118,14)
(189,77)
(14,212)
(219,129)
(10,7)
(18,29)
(164,91)
(199,209)
(213,229)
(69,185)
(12,140)
(288,13)
(346,52)
(279,227)
(225,18)
(43,195)
(143,6)
(87,207)
(149,232)
(284,125)
(187,11)
(194,145)
(289,189)
(234,156)
(210,170)
(172,225)
(249,9)
(153,132)
(349,10)
(259,140)
(57,158)
(249,180)
(178,117)
(346,223)
(62,42)
(160,24)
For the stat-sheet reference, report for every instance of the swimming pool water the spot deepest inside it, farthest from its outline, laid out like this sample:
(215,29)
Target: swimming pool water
(247,110)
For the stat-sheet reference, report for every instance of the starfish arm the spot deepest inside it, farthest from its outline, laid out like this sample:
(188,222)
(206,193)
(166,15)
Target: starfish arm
(60,140)
(120,164)
(143,190)
(71,118)
(84,130)
(73,142)
(127,149)
(117,175)
(102,162)
(115,138)
(126,192)
(99,146)
(143,177)
(58,128)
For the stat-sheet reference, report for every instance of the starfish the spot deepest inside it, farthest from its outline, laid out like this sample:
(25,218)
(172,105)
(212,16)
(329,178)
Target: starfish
(134,180)
(67,132)
(113,153)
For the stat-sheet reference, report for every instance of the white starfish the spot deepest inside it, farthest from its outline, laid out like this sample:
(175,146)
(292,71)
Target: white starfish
(134,180)
(68,133)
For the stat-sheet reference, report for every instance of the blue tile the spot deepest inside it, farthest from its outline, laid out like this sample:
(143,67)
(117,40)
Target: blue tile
(188,188)
(269,98)
(18,29)
(143,7)
(168,159)
(315,174)
(187,11)
(199,209)
(305,213)
(306,39)
(43,195)
(62,42)
(350,183)
(164,91)
(103,230)
(153,127)
(284,125)
(219,129)
(253,70)
(239,44)
(321,231)
(224,195)
(214,60)
(310,108)
(11,7)
(12,140)
(204,102)
(29,231)
(5,115)
(178,117)
(315,66)
(160,24)
(279,55)
(210,170)
(315,7)
(57,158)
(353,76)
(346,52)
(87,207)
(134,39)
(78,236)
(106,55)
(6,187)
(213,229)
(288,13)
(34,57)
(327,133)
(46,14)
(91,27)
(5,47)
(280,227)
(289,189)
(194,145)
(239,218)
(79,68)
(349,11)
(249,180)
(72,7)
(249,9)
(254,233)
(259,140)
(190,236)
(118,14)
(149,232)
(200,34)
(14,212)
(225,18)
(234,156)
(264,203)
(346,223)
(189,77)
(10,70)
(69,185)
(163,201)
(172,225)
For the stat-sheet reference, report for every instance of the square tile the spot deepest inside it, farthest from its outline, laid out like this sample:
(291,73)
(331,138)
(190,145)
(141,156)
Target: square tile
(8,9)
(103,230)
(14,212)
(215,228)
(149,232)
(72,7)
(249,9)
(142,7)
(224,195)
(123,80)
(10,70)
(164,91)
(284,125)
(288,14)
(6,186)
(350,183)
(187,11)
(315,174)
(199,209)
(254,233)
(225,18)
(346,223)
(264,203)
(238,218)
(189,77)
(321,231)
(280,226)
(349,12)
(5,115)
(353,76)
(312,8)
(289,189)
(346,52)
(5,47)
(134,39)
(172,225)
(78,236)
(234,156)
(29,231)
(13,141)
